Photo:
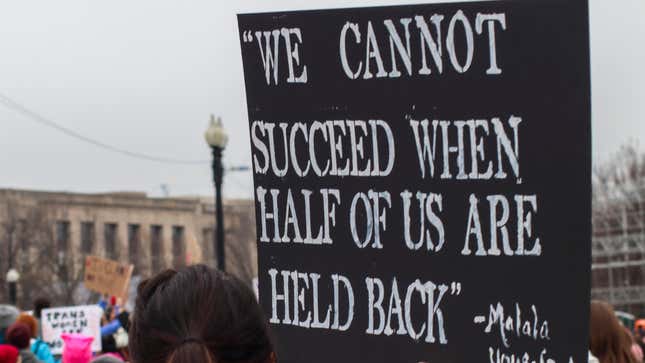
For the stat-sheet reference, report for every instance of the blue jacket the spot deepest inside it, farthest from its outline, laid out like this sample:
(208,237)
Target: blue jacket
(42,352)
(110,328)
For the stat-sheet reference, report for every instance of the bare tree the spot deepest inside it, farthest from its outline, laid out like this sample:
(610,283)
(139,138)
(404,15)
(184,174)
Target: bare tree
(619,188)
(47,264)
(241,252)
(10,228)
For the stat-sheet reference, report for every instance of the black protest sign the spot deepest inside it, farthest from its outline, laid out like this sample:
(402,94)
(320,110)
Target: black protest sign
(422,180)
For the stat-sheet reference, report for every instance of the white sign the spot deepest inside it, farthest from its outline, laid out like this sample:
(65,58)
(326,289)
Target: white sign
(84,320)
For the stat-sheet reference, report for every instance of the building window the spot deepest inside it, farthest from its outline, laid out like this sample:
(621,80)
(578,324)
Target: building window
(62,244)
(134,244)
(23,232)
(88,235)
(62,235)
(178,246)
(110,235)
(207,243)
(156,248)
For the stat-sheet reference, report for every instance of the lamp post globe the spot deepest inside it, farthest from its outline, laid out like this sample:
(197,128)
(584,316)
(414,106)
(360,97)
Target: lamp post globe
(216,135)
(12,279)
(217,139)
(13,275)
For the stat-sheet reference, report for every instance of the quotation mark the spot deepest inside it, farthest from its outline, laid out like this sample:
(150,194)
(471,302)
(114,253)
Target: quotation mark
(247,36)
(455,288)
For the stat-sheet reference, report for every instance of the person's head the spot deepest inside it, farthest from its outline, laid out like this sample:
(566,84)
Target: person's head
(108,315)
(8,316)
(31,322)
(198,315)
(9,354)
(607,338)
(19,335)
(41,304)
(107,358)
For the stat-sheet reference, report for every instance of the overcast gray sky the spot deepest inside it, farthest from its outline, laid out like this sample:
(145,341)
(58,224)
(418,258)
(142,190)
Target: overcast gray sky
(144,75)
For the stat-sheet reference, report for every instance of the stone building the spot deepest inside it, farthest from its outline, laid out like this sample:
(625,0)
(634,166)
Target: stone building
(39,229)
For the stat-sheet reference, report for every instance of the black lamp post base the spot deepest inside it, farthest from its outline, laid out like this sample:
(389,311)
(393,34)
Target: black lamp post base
(13,293)
(218,176)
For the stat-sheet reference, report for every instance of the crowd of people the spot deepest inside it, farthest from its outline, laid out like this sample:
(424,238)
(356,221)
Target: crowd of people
(196,314)
(21,336)
(202,315)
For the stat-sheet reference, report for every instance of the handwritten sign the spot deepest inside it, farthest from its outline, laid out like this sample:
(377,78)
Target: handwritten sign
(84,320)
(422,180)
(107,277)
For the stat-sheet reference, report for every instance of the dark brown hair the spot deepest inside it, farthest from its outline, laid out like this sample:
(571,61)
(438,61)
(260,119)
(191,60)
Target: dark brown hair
(19,335)
(41,304)
(607,338)
(198,314)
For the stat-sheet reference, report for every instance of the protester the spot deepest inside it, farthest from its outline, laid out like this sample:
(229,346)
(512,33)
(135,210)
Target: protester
(640,333)
(121,338)
(114,325)
(124,319)
(9,354)
(607,338)
(109,323)
(103,302)
(40,349)
(196,315)
(40,304)
(19,335)
(8,315)
(636,350)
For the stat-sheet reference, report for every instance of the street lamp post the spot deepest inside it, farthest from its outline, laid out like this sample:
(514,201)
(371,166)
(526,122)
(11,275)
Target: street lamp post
(12,278)
(217,139)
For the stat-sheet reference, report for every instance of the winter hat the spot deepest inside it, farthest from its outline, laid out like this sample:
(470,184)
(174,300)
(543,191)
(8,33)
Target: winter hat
(107,358)
(8,316)
(19,335)
(77,348)
(8,354)
(30,321)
